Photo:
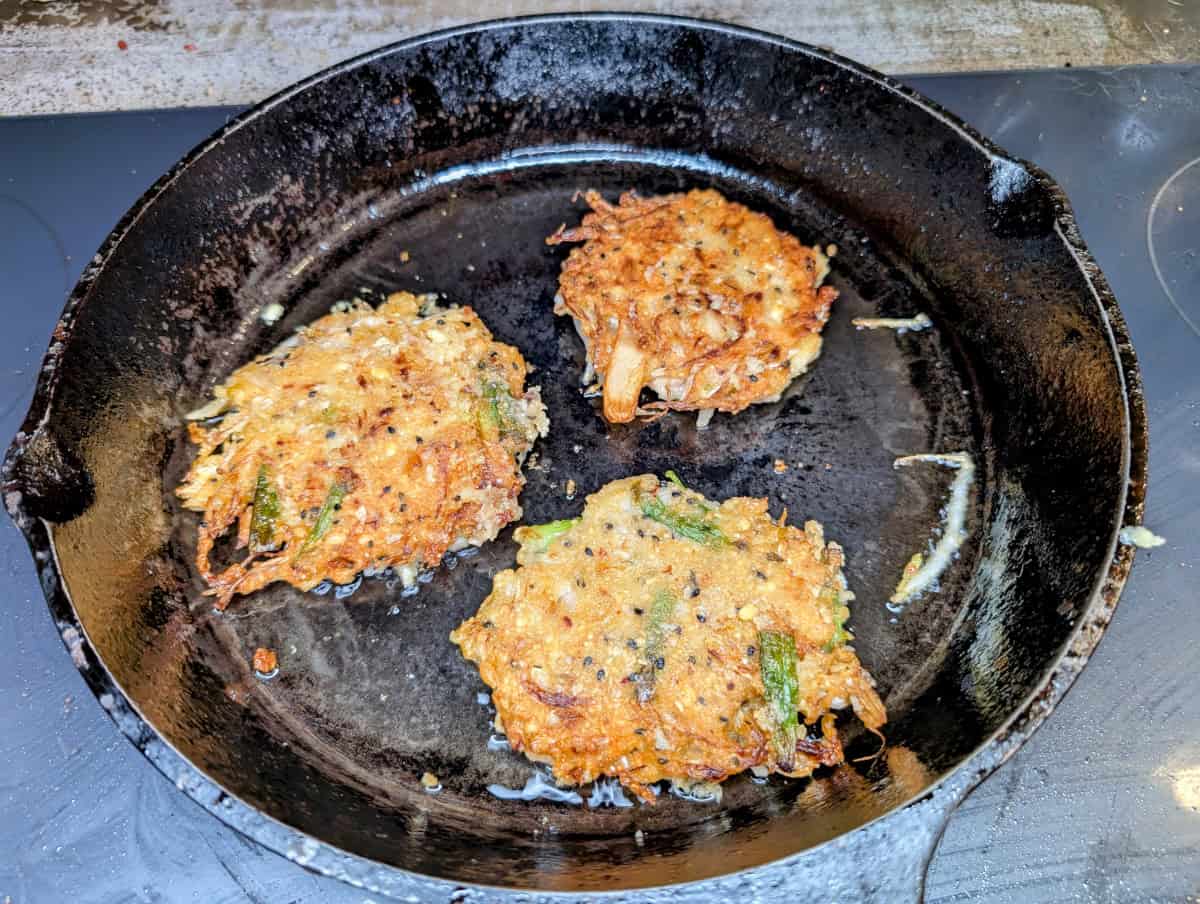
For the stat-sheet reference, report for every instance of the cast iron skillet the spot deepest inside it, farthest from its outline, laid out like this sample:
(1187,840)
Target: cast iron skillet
(464,148)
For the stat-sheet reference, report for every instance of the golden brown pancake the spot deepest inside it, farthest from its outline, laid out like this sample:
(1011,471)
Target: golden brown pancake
(374,438)
(694,296)
(662,636)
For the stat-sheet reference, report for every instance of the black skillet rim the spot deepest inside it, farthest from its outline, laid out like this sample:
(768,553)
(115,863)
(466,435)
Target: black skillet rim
(358,870)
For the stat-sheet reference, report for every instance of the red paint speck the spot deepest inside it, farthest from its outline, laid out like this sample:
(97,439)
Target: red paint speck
(189,47)
(121,45)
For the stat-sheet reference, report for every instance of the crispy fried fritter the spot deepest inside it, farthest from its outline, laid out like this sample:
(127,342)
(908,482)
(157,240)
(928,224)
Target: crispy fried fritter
(695,296)
(371,439)
(661,636)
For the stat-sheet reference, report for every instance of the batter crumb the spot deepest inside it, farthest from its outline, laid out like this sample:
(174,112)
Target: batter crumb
(265,661)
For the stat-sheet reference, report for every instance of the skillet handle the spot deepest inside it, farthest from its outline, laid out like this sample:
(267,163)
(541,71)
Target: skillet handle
(44,478)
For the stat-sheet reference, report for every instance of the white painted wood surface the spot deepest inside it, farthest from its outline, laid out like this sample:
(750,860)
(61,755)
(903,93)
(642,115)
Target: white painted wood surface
(58,56)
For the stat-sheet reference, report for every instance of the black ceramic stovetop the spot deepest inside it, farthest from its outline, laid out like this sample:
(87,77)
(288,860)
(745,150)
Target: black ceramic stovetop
(1102,805)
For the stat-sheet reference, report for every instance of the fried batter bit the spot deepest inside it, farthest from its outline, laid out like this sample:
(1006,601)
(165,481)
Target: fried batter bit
(373,438)
(696,297)
(661,636)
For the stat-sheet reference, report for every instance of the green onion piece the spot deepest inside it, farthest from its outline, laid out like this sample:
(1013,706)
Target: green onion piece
(543,534)
(777,664)
(266,510)
(840,613)
(840,636)
(498,413)
(656,637)
(693,528)
(337,492)
(656,623)
(674,478)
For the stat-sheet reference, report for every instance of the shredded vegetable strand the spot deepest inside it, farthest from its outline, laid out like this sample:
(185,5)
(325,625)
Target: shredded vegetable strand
(926,574)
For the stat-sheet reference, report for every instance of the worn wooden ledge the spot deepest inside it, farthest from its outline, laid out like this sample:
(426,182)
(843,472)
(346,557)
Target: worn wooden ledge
(59,57)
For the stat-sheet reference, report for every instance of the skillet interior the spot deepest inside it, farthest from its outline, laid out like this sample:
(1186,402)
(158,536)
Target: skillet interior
(486,135)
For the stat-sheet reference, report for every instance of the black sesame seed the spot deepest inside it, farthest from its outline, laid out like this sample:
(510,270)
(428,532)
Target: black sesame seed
(608,525)
(753,378)
(631,643)
(638,611)
(758,574)
(700,617)
(700,700)
(587,551)
(660,663)
(600,675)
(639,731)
(418,439)
(662,761)
(391,429)
(750,650)
(580,582)
(404,506)
(312,393)
(387,489)
(330,434)
(489,624)
(587,660)
(692,660)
